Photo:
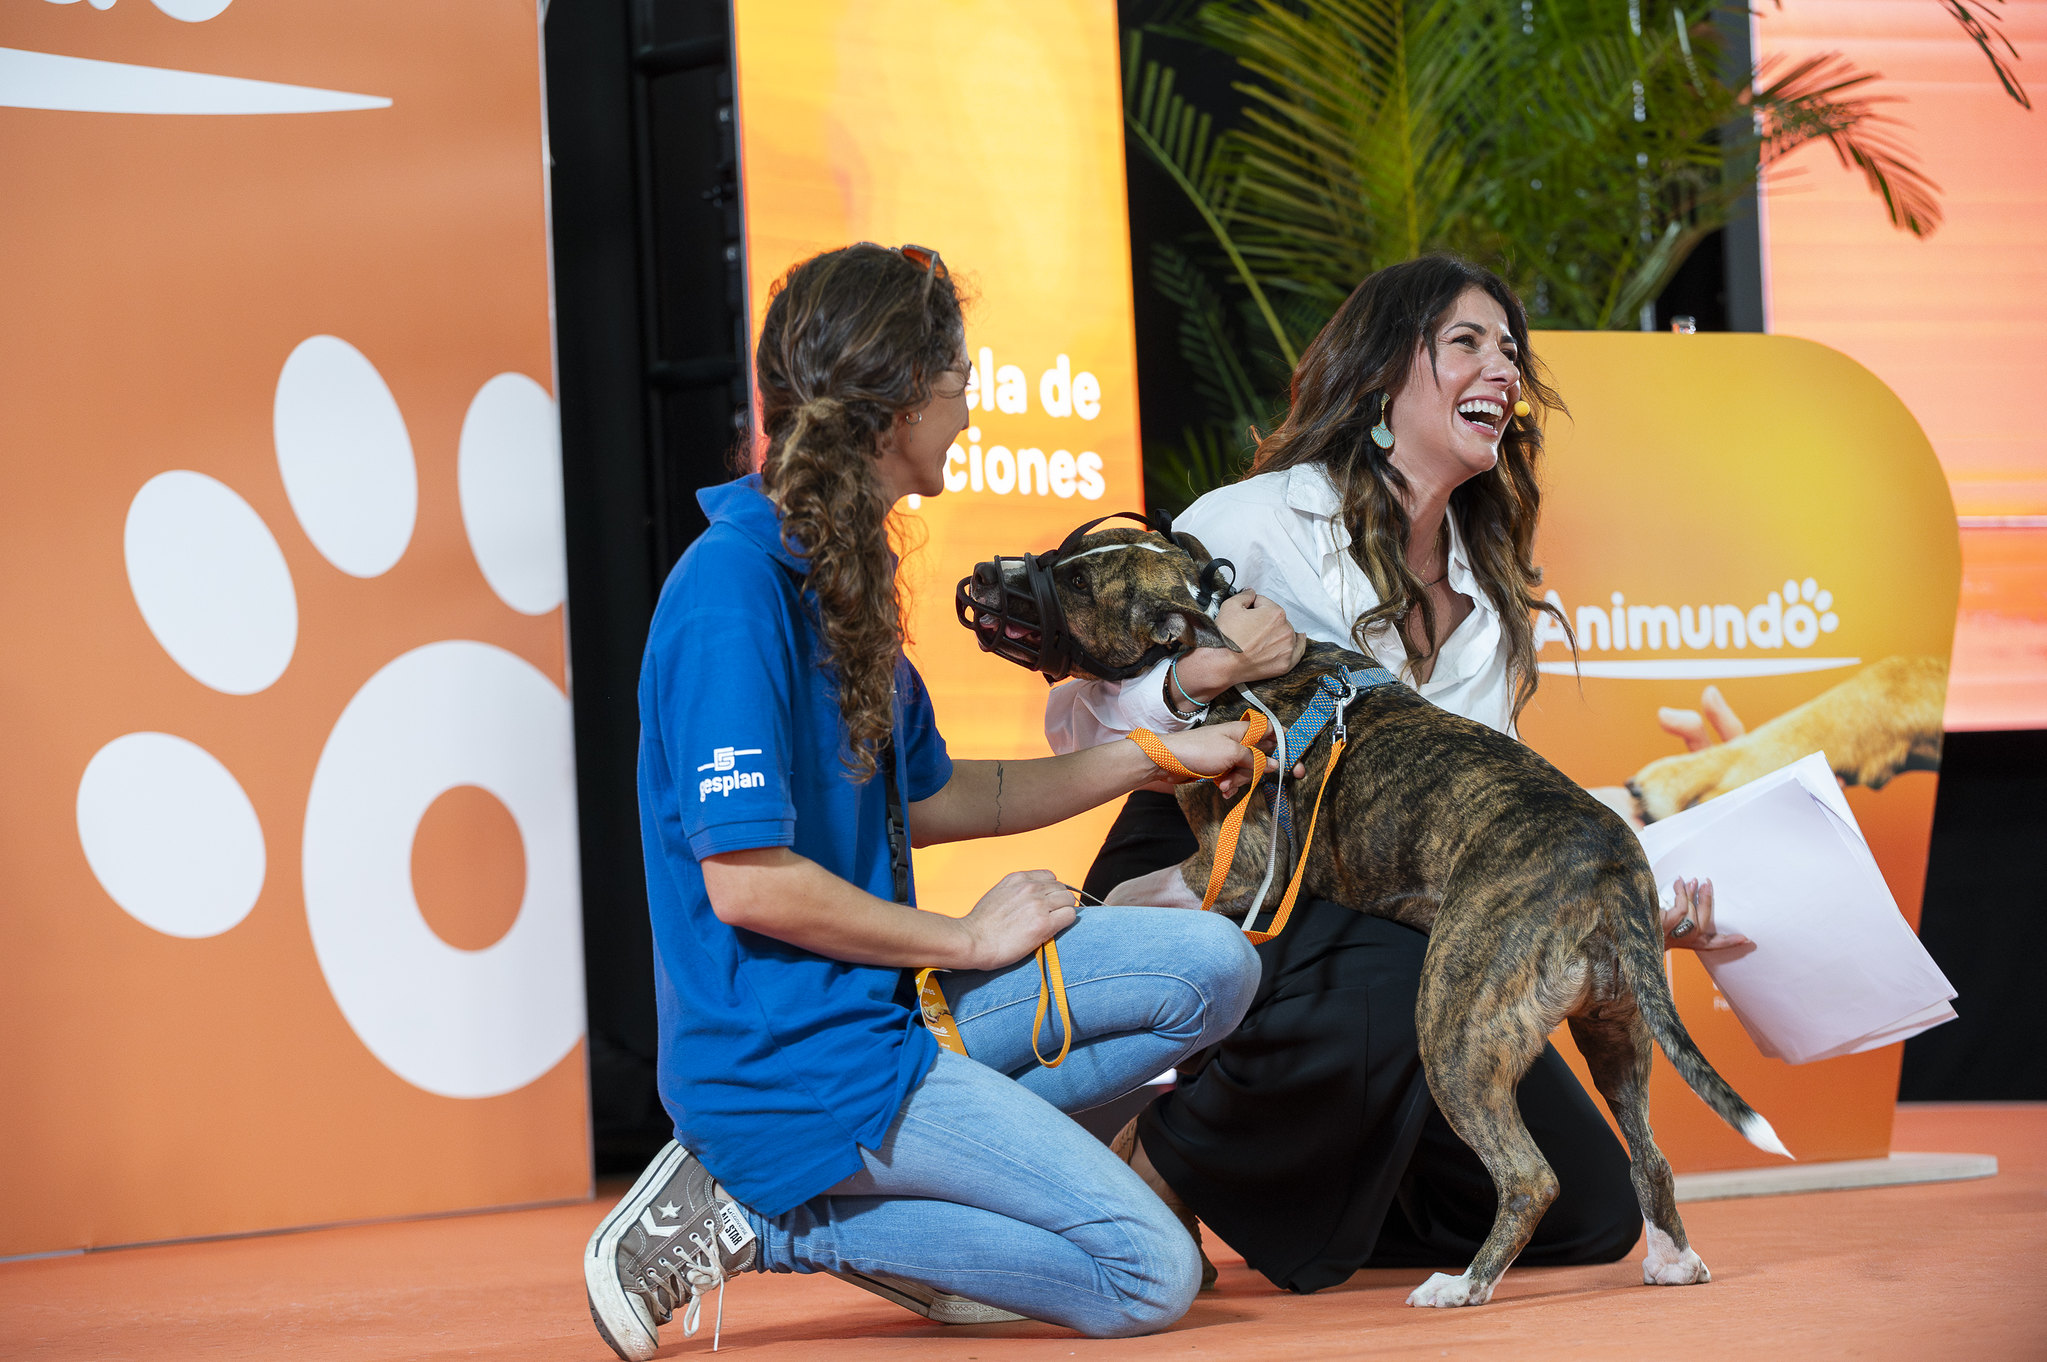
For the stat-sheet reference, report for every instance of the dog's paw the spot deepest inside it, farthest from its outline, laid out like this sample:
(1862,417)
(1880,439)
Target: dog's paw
(1668,1265)
(1670,785)
(1443,1291)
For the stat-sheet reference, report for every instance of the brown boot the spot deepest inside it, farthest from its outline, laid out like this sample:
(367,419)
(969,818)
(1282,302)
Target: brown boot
(1126,1148)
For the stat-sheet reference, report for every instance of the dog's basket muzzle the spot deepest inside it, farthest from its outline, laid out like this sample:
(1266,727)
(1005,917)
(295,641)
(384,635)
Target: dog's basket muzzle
(989,604)
(1026,624)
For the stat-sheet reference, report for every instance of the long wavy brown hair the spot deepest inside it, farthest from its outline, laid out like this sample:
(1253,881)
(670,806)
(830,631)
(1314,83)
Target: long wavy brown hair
(1343,379)
(852,337)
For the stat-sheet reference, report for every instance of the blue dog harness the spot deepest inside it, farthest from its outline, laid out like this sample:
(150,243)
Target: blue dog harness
(1334,692)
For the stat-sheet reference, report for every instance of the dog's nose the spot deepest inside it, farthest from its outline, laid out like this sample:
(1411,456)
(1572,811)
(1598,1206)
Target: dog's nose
(984,585)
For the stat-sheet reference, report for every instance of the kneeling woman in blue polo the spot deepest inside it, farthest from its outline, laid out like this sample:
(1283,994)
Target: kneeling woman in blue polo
(819,1126)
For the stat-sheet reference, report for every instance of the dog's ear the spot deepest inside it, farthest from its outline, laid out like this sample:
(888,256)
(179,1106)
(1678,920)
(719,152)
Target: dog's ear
(1193,547)
(1189,624)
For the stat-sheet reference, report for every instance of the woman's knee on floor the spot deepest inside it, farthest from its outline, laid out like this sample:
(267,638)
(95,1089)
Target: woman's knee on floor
(1155,1287)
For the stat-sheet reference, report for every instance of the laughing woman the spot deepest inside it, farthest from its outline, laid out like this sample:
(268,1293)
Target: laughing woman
(1394,510)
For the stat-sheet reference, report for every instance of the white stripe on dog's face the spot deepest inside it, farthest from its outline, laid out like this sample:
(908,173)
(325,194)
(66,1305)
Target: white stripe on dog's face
(1111,548)
(1193,587)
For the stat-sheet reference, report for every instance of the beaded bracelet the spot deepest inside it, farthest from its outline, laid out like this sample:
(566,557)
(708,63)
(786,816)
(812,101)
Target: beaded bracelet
(1173,676)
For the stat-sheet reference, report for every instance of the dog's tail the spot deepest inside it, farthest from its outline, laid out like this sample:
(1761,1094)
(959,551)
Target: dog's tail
(1642,963)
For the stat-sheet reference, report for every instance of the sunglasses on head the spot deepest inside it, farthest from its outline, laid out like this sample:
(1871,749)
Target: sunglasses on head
(925,259)
(929,261)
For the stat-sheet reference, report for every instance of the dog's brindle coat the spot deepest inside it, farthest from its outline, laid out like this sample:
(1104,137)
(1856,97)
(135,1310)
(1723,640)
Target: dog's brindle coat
(1537,899)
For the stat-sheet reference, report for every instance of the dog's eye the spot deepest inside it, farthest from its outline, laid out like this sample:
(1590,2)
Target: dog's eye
(1074,579)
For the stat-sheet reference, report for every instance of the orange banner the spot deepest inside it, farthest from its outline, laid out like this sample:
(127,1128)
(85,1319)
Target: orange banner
(1006,156)
(287,828)
(1792,550)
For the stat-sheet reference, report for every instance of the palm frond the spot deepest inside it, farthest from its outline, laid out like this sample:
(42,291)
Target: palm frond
(1821,98)
(1650,277)
(1205,458)
(1981,26)
(1178,138)
(1581,147)
(1360,115)
(1206,339)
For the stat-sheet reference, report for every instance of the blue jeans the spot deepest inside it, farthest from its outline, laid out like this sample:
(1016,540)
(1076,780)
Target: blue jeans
(983,1189)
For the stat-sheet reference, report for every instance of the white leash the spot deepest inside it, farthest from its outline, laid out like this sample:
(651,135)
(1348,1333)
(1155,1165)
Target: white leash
(1285,764)
(1279,793)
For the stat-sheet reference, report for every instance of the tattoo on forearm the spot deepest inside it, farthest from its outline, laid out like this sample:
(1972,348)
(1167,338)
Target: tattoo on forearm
(998,800)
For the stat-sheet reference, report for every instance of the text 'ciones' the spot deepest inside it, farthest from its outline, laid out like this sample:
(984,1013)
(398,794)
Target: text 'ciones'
(1027,470)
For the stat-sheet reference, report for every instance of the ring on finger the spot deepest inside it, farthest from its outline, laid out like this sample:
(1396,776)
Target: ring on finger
(1683,928)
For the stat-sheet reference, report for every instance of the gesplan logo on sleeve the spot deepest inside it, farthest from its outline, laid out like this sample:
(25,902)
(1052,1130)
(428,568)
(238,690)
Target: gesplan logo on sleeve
(723,760)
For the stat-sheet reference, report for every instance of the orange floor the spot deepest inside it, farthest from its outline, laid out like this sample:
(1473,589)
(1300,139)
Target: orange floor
(1952,1271)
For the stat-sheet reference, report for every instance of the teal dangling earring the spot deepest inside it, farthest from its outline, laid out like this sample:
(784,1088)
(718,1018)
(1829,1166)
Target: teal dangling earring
(1382,434)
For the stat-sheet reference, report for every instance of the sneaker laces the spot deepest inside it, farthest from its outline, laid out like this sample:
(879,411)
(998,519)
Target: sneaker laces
(660,1302)
(684,1280)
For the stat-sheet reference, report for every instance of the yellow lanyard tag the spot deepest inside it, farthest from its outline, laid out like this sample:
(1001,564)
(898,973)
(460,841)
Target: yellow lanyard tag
(1051,992)
(937,1012)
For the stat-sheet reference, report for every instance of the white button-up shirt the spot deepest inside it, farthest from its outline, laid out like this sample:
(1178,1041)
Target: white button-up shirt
(1285,533)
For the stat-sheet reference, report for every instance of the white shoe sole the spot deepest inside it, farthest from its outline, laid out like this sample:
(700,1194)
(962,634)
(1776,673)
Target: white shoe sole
(939,1307)
(621,1317)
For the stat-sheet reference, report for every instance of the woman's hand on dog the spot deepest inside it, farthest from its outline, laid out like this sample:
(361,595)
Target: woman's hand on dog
(1217,751)
(1024,910)
(1267,646)
(1694,904)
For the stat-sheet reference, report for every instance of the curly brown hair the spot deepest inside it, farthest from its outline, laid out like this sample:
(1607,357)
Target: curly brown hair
(1344,377)
(852,337)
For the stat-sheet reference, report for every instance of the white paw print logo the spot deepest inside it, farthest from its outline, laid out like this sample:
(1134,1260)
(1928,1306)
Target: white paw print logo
(1808,613)
(191,11)
(175,841)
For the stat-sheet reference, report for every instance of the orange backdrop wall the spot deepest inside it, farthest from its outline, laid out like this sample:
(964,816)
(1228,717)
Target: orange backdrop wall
(1831,503)
(1005,154)
(1949,322)
(289,928)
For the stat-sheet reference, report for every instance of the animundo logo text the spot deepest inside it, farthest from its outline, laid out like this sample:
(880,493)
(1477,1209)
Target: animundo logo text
(723,760)
(1768,639)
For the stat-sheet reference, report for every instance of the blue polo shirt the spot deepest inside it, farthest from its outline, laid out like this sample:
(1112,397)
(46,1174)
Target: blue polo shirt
(776,1064)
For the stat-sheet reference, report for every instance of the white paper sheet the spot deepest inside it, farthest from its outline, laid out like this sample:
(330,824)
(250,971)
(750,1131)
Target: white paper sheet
(1812,770)
(1834,969)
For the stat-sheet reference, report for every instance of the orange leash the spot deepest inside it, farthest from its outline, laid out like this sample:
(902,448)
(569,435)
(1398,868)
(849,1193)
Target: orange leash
(1293,888)
(1255,728)
(1051,984)
(1233,822)
(937,1012)
(938,1016)
(939,1021)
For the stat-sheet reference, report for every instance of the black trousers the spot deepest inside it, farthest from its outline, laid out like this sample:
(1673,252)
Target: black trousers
(1309,1141)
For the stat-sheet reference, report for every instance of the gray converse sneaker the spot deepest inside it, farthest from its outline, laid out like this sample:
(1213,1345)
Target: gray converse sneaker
(938,1306)
(675,1237)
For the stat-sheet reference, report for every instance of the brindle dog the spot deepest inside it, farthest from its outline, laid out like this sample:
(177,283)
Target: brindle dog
(1537,899)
